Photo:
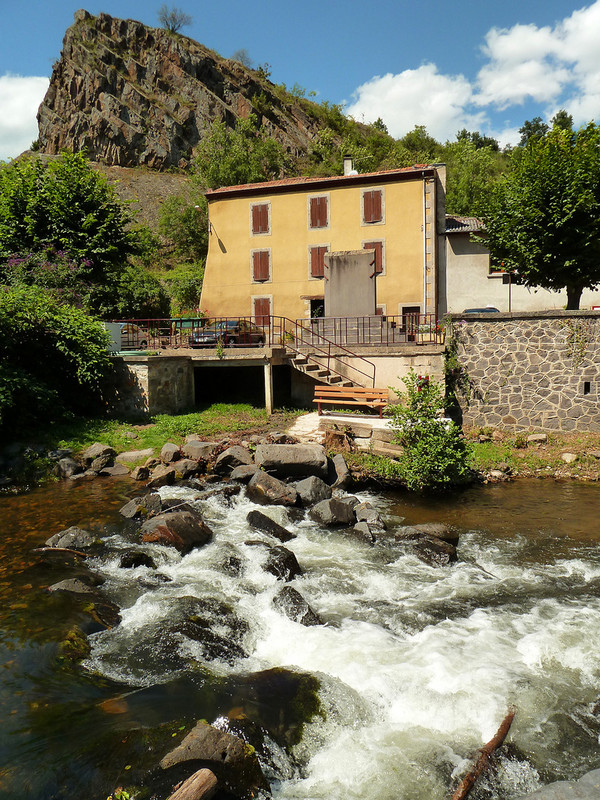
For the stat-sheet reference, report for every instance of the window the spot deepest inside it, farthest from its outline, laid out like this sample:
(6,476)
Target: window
(262,310)
(261,266)
(372,205)
(378,247)
(260,218)
(317,260)
(318,212)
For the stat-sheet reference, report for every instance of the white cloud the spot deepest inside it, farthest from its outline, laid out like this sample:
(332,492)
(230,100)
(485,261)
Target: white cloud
(19,101)
(417,97)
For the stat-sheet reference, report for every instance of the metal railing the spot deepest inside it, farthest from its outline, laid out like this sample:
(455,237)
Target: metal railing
(329,355)
(384,331)
(248,331)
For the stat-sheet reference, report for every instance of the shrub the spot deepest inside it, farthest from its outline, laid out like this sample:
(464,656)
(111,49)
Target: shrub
(436,455)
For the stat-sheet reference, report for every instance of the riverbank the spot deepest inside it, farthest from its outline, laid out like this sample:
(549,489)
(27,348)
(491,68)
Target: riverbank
(497,455)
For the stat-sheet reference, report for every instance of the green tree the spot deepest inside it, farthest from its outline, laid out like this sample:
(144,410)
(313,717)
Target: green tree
(562,120)
(69,208)
(184,286)
(435,454)
(184,223)
(173,19)
(532,128)
(243,154)
(477,139)
(53,358)
(472,171)
(543,219)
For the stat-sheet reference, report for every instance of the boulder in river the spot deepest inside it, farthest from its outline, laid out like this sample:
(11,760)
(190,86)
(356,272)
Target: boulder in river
(183,530)
(334,512)
(292,460)
(586,788)
(282,563)
(429,549)
(264,523)
(72,538)
(312,490)
(235,456)
(233,761)
(169,453)
(291,603)
(267,489)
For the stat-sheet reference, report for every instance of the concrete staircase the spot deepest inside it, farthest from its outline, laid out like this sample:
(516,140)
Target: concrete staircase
(313,368)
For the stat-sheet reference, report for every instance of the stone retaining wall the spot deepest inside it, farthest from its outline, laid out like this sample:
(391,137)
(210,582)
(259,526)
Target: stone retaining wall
(536,370)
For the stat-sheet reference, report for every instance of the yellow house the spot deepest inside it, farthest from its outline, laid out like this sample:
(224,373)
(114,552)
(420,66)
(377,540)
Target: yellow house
(268,241)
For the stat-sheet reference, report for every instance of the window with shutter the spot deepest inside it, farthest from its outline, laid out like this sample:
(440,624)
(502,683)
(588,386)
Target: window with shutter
(261,265)
(317,261)
(260,218)
(378,247)
(262,310)
(373,205)
(318,212)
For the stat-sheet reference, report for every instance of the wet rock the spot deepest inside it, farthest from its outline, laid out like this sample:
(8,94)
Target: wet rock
(74,646)
(224,490)
(73,586)
(150,503)
(169,453)
(438,529)
(102,611)
(586,788)
(232,760)
(264,523)
(183,530)
(292,460)
(72,538)
(97,451)
(135,559)
(362,531)
(67,466)
(342,477)
(213,645)
(186,467)
(162,476)
(291,603)
(267,489)
(365,512)
(231,562)
(199,451)
(333,512)
(312,490)
(244,473)
(429,549)
(282,563)
(140,473)
(231,458)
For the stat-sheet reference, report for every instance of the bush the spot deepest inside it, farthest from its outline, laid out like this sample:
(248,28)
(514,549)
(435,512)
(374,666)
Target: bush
(53,358)
(184,286)
(436,455)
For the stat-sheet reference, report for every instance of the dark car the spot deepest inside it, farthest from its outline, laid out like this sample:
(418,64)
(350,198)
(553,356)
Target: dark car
(227,332)
(486,310)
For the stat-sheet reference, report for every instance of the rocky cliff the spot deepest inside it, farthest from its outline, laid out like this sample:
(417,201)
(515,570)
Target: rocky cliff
(131,95)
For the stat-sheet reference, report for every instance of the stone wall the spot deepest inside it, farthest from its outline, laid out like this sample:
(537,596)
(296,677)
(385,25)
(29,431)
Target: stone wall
(153,385)
(536,370)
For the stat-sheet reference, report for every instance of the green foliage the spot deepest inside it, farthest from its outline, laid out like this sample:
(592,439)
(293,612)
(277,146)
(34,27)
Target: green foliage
(435,454)
(139,294)
(478,140)
(67,207)
(184,223)
(472,172)
(53,358)
(543,219)
(534,128)
(244,154)
(562,120)
(184,286)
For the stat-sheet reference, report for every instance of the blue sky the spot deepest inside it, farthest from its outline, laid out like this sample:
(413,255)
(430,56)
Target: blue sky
(486,65)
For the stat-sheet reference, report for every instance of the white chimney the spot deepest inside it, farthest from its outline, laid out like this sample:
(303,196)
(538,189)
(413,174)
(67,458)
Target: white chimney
(348,166)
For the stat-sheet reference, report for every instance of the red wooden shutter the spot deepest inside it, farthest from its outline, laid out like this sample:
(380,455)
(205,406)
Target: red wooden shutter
(260,218)
(318,212)
(262,310)
(378,247)
(260,259)
(372,206)
(317,261)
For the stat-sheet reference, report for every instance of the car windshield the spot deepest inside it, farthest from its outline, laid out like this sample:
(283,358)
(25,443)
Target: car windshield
(219,326)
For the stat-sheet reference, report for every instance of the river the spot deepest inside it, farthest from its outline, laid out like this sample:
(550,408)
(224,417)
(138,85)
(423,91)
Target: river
(417,666)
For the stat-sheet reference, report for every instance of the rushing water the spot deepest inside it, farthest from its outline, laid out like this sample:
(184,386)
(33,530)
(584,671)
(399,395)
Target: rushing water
(417,665)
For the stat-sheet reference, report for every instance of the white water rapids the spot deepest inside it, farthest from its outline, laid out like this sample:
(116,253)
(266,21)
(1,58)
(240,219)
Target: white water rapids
(418,665)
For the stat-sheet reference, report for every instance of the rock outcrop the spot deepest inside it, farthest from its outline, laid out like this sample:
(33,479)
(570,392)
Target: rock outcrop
(131,95)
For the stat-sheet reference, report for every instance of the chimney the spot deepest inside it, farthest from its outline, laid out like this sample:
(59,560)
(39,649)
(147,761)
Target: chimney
(348,165)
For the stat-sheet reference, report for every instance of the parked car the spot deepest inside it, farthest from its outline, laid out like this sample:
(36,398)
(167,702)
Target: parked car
(133,337)
(227,332)
(486,310)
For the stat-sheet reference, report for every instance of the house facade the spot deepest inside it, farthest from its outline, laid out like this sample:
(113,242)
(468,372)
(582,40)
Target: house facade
(268,242)
(468,280)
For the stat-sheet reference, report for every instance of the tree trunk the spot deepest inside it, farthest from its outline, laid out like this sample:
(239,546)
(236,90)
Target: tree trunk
(483,760)
(573,297)
(200,786)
